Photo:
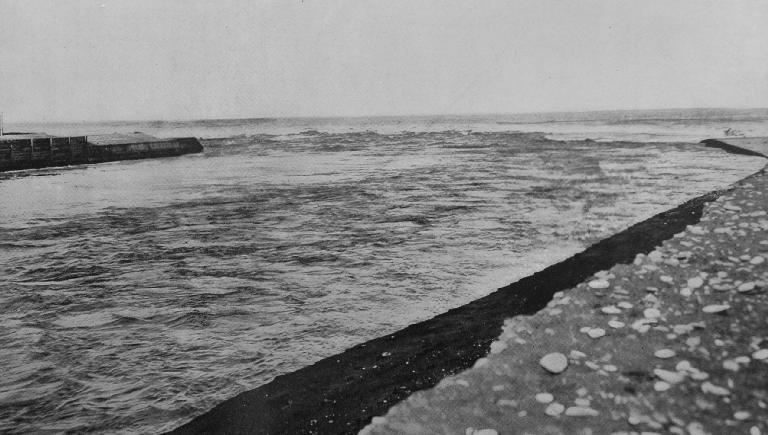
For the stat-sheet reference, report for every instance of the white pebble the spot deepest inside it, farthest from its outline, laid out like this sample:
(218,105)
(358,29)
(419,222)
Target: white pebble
(651,313)
(655,256)
(544,398)
(709,387)
(757,260)
(715,308)
(747,286)
(554,409)
(661,386)
(581,411)
(554,362)
(615,324)
(669,376)
(664,353)
(575,354)
(695,282)
(696,428)
(599,284)
(596,332)
(610,309)
(760,354)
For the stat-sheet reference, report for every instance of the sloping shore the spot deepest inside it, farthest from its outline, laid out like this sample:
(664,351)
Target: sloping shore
(676,342)
(341,394)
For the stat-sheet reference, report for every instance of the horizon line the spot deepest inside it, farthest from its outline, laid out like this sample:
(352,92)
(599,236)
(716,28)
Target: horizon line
(411,115)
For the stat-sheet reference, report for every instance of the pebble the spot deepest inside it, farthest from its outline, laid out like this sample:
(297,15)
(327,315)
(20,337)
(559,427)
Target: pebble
(661,386)
(664,353)
(544,398)
(757,260)
(554,409)
(581,411)
(599,284)
(699,375)
(596,332)
(742,359)
(696,428)
(610,309)
(485,432)
(651,313)
(554,362)
(746,287)
(741,415)
(655,256)
(709,387)
(582,402)
(669,376)
(625,305)
(761,354)
(693,341)
(615,324)
(592,365)
(695,282)
(575,354)
(715,308)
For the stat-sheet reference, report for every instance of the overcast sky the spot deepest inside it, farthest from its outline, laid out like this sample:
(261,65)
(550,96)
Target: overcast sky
(95,60)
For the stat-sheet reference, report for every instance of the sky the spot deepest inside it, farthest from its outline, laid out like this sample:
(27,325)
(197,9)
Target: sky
(84,60)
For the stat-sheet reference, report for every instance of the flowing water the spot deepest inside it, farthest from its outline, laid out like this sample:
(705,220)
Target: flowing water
(138,294)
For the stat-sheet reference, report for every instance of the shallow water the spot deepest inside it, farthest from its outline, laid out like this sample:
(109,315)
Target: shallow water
(139,294)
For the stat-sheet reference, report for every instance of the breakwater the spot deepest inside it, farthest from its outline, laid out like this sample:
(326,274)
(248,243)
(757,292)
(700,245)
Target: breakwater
(41,152)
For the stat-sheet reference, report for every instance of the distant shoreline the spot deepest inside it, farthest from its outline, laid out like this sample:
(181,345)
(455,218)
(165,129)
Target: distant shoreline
(697,113)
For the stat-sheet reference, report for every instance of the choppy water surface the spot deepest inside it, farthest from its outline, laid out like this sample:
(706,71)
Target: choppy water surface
(138,294)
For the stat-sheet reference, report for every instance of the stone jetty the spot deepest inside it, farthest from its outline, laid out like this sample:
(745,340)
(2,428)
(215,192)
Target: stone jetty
(30,151)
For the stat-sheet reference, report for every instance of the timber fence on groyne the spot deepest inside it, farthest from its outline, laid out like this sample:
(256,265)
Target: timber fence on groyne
(16,154)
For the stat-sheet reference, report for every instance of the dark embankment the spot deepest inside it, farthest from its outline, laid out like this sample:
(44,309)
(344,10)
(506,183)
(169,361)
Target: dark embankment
(733,149)
(341,394)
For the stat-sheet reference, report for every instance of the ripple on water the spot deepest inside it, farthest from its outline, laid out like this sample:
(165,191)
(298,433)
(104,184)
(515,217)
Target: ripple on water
(142,294)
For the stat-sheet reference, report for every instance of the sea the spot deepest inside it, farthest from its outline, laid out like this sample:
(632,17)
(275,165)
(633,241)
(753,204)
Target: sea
(136,295)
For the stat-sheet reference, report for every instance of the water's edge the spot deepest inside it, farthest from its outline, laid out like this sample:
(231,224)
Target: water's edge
(341,393)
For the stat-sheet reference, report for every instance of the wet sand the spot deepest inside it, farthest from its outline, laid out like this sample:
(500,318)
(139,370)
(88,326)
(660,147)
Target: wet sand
(342,393)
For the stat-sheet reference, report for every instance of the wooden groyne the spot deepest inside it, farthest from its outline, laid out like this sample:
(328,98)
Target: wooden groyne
(39,152)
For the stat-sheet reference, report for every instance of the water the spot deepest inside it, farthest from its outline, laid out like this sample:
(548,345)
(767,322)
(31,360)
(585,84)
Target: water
(139,294)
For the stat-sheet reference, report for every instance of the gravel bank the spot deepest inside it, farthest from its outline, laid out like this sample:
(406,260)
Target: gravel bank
(675,342)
